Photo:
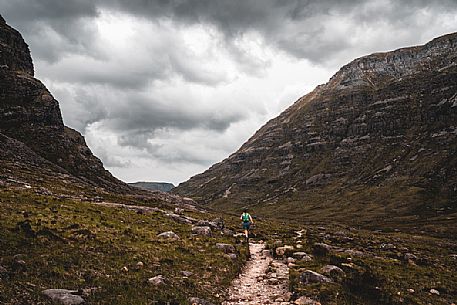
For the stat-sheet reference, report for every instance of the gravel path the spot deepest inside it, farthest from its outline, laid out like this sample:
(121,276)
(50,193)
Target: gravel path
(263,281)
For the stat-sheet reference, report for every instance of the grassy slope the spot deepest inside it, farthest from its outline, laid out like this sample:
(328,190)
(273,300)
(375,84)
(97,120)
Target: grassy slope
(79,245)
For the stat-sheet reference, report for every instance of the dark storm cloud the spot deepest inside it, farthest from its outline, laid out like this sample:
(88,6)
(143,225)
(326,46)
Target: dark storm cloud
(297,26)
(146,116)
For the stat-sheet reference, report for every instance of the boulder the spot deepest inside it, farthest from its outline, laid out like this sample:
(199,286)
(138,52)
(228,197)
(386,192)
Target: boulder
(322,249)
(309,277)
(169,235)
(302,256)
(227,248)
(334,272)
(200,230)
(64,296)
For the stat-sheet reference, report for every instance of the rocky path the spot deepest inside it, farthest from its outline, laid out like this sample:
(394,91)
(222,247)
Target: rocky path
(263,281)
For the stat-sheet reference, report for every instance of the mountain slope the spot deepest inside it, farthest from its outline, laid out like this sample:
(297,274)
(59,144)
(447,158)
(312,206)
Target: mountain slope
(30,115)
(380,136)
(153,186)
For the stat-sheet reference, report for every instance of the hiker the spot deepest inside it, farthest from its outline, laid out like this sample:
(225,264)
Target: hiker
(247,221)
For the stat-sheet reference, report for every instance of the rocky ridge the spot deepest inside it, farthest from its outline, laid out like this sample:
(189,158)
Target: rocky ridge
(30,117)
(383,130)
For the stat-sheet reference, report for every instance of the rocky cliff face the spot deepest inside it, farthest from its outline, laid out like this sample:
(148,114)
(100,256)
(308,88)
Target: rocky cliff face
(30,117)
(380,136)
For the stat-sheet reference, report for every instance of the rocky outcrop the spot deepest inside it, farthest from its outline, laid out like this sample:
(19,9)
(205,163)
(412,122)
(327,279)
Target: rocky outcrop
(30,115)
(382,130)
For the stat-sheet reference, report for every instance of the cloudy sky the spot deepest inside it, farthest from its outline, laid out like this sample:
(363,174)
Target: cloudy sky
(162,89)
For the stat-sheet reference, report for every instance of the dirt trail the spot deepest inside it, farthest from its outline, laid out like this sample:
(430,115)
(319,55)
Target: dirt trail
(263,281)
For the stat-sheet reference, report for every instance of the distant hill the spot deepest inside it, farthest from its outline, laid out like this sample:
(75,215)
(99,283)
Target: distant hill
(153,186)
(378,142)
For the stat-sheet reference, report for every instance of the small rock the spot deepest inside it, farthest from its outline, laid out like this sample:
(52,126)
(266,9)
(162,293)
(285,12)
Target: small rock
(186,273)
(227,248)
(280,251)
(140,265)
(273,281)
(157,280)
(309,276)
(290,260)
(305,301)
(410,256)
(266,253)
(410,290)
(434,291)
(64,296)
(170,235)
(125,269)
(227,232)
(302,256)
(198,301)
(232,256)
(202,230)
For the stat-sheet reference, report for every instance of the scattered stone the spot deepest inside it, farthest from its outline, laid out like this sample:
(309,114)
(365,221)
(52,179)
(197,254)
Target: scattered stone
(335,272)
(200,230)
(198,301)
(266,253)
(187,273)
(410,257)
(388,246)
(64,296)
(355,253)
(302,256)
(273,281)
(140,265)
(410,290)
(232,256)
(309,277)
(170,235)
(179,218)
(290,260)
(434,291)
(322,249)
(228,232)
(125,269)
(157,280)
(280,251)
(227,248)
(305,301)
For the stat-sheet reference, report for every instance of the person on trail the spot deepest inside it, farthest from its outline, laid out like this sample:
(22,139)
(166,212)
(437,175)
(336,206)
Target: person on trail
(247,221)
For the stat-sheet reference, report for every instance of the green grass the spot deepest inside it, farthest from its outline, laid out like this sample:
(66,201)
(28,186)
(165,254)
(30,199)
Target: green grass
(79,245)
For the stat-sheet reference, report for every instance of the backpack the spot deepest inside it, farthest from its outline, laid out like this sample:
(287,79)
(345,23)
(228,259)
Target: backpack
(245,217)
